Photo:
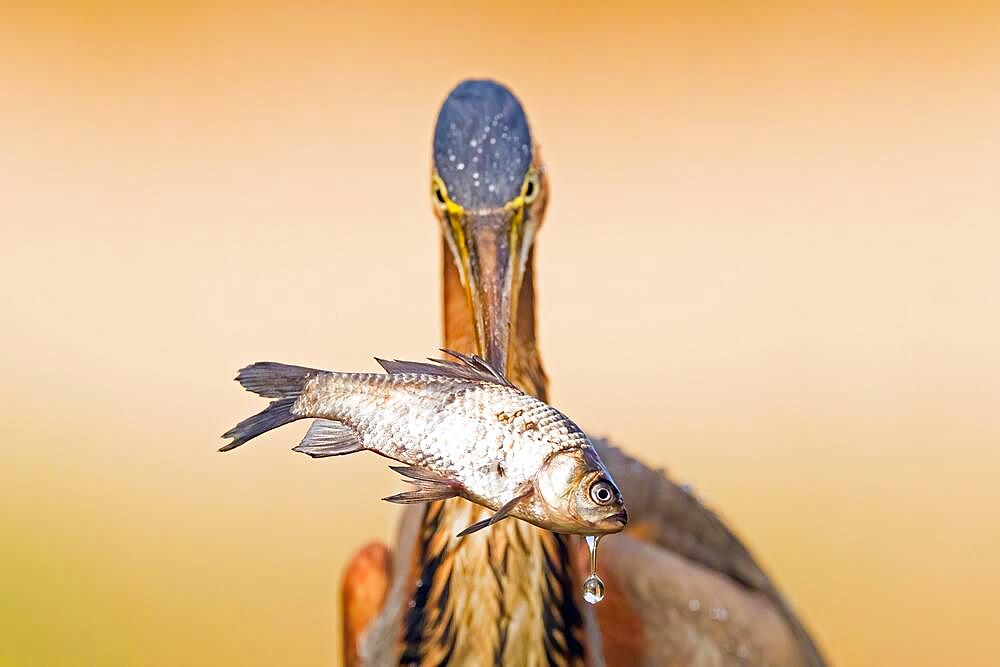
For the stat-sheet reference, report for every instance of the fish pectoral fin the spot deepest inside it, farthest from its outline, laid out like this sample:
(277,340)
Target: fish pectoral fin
(328,438)
(500,514)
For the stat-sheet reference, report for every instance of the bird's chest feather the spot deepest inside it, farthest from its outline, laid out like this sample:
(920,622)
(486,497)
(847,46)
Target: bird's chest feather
(501,596)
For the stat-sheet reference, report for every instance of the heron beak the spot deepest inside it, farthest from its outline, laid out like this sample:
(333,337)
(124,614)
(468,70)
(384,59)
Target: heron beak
(491,252)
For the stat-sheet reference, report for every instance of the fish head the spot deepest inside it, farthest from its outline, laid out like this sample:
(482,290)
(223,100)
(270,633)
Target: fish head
(577,494)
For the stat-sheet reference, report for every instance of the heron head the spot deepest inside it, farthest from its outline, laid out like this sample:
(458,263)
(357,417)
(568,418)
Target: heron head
(489,193)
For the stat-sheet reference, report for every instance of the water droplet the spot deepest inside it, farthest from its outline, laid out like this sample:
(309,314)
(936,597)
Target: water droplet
(460,166)
(593,587)
(718,613)
(472,142)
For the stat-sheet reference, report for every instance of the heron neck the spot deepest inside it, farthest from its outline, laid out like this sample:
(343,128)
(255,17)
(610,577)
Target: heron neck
(525,364)
(507,595)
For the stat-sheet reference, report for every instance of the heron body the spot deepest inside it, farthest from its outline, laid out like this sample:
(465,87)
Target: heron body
(682,589)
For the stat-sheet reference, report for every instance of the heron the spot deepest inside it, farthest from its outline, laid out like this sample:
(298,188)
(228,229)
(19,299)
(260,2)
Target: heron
(684,588)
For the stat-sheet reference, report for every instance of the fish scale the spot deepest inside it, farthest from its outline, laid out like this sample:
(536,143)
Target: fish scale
(404,417)
(461,428)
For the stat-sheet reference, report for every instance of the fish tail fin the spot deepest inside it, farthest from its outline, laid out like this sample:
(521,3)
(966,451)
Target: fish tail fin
(272,380)
(278,413)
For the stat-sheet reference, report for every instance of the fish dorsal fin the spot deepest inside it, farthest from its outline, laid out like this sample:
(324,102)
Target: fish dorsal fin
(468,367)
(476,363)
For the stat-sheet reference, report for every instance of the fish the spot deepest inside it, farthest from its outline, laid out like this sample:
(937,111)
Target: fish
(460,428)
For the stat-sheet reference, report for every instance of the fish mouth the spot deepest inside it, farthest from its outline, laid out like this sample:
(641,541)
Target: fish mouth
(620,517)
(615,523)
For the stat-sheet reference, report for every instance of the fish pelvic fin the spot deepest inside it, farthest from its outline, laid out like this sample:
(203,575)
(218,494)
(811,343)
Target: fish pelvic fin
(328,438)
(430,486)
(477,526)
(272,380)
(468,367)
(500,514)
(425,492)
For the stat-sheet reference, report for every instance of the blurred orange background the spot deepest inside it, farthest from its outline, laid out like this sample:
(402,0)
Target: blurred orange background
(771,264)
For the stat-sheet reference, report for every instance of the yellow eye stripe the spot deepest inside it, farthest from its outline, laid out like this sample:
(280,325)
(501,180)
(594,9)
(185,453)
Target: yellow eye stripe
(439,191)
(454,217)
(517,204)
(455,213)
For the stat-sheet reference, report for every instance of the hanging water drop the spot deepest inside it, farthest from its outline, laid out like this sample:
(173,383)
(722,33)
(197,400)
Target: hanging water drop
(593,587)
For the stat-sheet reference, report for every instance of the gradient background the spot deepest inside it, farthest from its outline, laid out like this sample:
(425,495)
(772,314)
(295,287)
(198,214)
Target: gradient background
(771,263)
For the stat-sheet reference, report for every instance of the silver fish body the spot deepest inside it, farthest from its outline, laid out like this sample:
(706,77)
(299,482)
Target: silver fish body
(462,430)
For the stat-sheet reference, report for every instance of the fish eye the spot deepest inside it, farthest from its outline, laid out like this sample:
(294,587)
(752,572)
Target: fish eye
(532,186)
(602,493)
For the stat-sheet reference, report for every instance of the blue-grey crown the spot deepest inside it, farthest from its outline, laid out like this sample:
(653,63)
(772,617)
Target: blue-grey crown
(482,144)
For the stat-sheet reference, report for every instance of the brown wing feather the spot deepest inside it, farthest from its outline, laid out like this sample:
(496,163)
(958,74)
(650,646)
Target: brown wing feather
(662,513)
(363,590)
(672,611)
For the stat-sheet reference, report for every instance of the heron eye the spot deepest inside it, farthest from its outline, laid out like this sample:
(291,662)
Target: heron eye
(531,187)
(602,493)
(440,198)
